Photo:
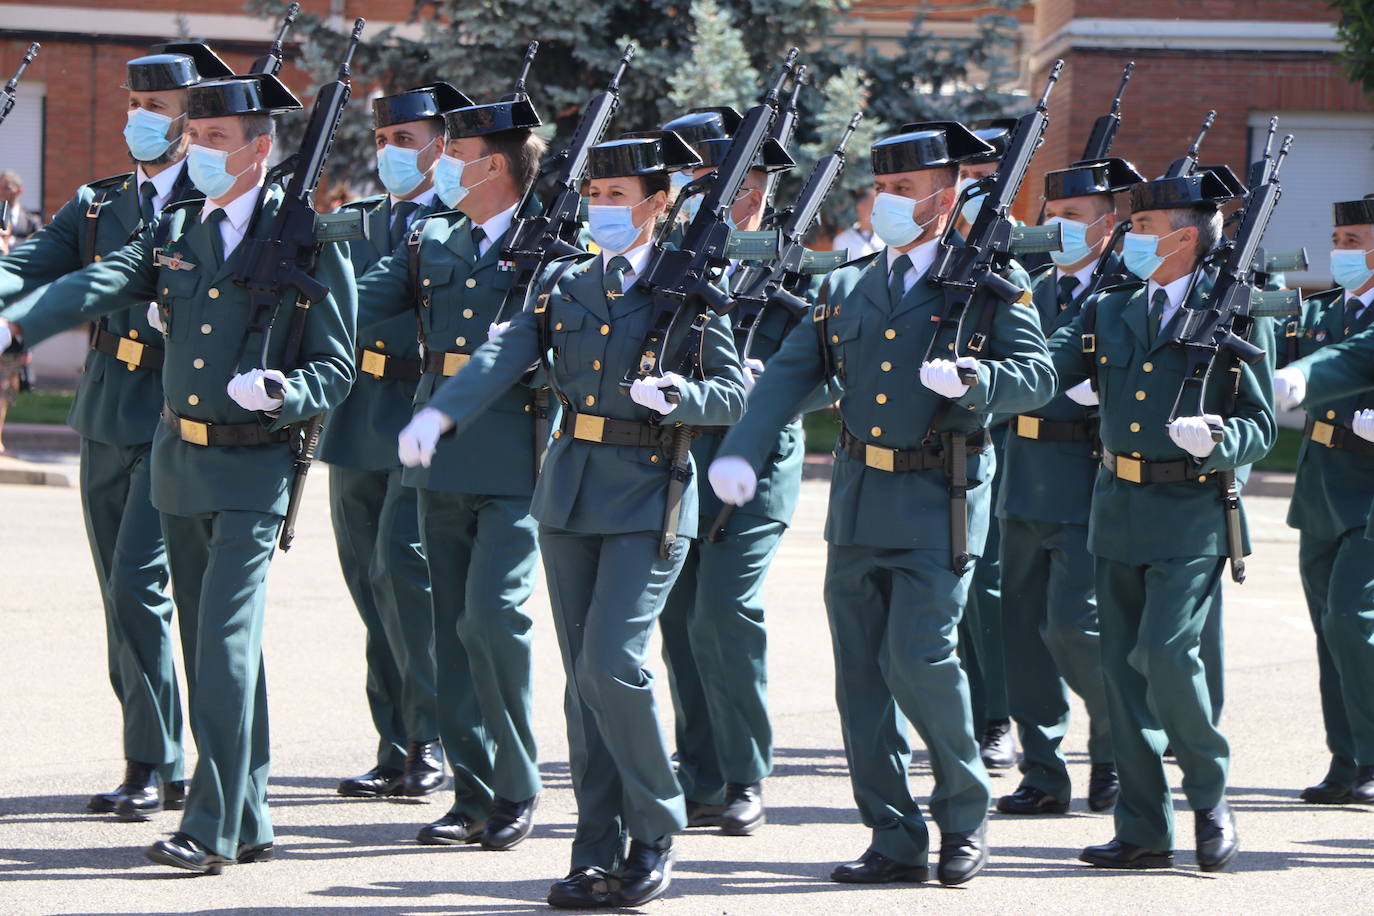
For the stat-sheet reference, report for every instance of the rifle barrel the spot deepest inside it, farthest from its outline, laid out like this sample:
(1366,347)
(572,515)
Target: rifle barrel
(1044,103)
(1121,90)
(530,50)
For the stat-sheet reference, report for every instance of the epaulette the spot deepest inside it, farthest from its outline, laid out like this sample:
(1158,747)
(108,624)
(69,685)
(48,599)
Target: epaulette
(113,181)
(1036,273)
(1127,285)
(364,203)
(1326,296)
(184,204)
(862,260)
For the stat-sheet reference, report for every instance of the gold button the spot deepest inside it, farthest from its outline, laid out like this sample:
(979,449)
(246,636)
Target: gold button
(193,400)
(558,326)
(1135,427)
(885,366)
(198,363)
(605,329)
(1148,367)
(471,282)
(1202,478)
(589,400)
(1102,360)
(379,344)
(130,366)
(425,282)
(834,338)
(653,459)
(557,433)
(881,398)
(206,328)
(596,364)
(214,293)
(527,408)
(461,341)
(133,335)
(1135,454)
(165,290)
(467,313)
(949,346)
(876,431)
(1331,414)
(97,257)
(1140,395)
(889,333)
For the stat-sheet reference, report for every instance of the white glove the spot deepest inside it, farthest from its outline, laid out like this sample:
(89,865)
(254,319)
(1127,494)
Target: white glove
(733,479)
(648,392)
(249,391)
(753,368)
(496,330)
(942,376)
(1290,387)
(6,335)
(1363,424)
(155,318)
(417,442)
(1083,394)
(1194,435)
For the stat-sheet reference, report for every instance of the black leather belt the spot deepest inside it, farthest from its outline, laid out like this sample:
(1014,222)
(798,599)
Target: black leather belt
(134,353)
(900,461)
(1137,470)
(200,432)
(609,431)
(1332,435)
(382,366)
(1028,427)
(447,363)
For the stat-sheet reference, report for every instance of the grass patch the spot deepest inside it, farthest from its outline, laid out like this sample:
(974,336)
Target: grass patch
(1284,455)
(822,428)
(41,407)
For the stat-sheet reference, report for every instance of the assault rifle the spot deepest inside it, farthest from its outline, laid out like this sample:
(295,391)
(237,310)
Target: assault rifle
(271,61)
(1099,145)
(7,96)
(784,129)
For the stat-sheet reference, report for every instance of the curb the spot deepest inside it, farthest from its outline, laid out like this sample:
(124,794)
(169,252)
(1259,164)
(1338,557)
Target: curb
(24,473)
(42,437)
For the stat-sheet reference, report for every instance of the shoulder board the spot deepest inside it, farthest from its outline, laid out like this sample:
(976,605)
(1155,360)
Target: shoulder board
(1129,285)
(346,225)
(1326,296)
(1038,273)
(863,260)
(364,203)
(186,203)
(113,181)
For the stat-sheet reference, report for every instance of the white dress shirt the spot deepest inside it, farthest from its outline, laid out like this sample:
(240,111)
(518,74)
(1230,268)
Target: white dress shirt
(495,227)
(1084,277)
(419,200)
(1174,291)
(922,257)
(638,258)
(238,213)
(162,184)
(1365,300)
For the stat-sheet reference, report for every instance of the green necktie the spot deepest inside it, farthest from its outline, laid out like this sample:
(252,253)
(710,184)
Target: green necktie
(1157,303)
(1066,287)
(478,234)
(400,220)
(216,238)
(146,195)
(613,279)
(896,281)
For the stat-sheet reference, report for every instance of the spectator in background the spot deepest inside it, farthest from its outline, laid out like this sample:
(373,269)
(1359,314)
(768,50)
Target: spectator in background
(858,239)
(22,223)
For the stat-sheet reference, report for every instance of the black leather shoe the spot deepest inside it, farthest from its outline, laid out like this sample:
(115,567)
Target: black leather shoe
(583,889)
(997,748)
(700,814)
(103,802)
(1363,791)
(1327,792)
(140,795)
(509,822)
(1030,800)
(1103,787)
(182,850)
(453,829)
(1215,830)
(962,855)
(647,872)
(744,811)
(424,772)
(1117,854)
(254,852)
(174,795)
(875,868)
(375,783)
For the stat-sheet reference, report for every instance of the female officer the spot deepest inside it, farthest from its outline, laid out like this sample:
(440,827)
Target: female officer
(600,506)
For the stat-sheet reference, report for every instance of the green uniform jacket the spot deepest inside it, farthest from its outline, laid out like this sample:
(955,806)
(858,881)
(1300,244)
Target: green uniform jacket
(877,352)
(361,433)
(1335,488)
(1137,384)
(113,404)
(458,295)
(589,487)
(1045,481)
(207,314)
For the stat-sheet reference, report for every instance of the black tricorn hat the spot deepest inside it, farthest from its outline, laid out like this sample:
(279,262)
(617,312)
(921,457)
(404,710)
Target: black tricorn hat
(644,153)
(417,104)
(996,133)
(1091,176)
(698,124)
(174,65)
(1354,212)
(926,145)
(1209,186)
(772,157)
(514,113)
(252,93)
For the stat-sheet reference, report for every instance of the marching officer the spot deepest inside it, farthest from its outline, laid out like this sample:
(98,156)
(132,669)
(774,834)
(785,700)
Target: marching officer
(375,515)
(222,456)
(1332,498)
(118,399)
(714,637)
(1158,528)
(893,595)
(1049,464)
(448,278)
(600,502)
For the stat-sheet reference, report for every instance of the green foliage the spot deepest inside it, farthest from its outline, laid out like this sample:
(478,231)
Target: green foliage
(841,96)
(717,66)
(1356,29)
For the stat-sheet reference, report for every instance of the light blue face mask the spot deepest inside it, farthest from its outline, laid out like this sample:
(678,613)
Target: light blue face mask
(448,179)
(399,168)
(1141,254)
(691,205)
(613,227)
(972,207)
(209,169)
(1348,268)
(1074,236)
(894,218)
(146,134)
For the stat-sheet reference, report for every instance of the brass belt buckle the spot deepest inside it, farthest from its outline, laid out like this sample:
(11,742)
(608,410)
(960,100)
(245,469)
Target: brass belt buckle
(1323,433)
(455,361)
(884,459)
(589,428)
(1089,343)
(374,363)
(1131,469)
(1027,427)
(129,351)
(193,431)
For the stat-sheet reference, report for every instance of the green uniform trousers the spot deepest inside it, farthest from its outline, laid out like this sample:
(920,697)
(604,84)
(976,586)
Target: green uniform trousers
(125,535)
(607,591)
(1338,580)
(377,532)
(1049,623)
(894,615)
(219,567)
(1152,616)
(482,552)
(715,647)
(980,629)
